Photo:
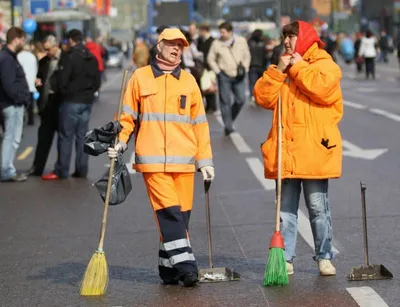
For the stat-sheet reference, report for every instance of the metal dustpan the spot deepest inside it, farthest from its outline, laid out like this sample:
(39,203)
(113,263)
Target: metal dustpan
(213,274)
(367,271)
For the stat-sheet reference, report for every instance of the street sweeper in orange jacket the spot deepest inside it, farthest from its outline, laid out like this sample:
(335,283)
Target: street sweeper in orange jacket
(308,82)
(163,105)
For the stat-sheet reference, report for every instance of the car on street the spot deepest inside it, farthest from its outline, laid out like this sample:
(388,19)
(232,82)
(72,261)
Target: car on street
(115,57)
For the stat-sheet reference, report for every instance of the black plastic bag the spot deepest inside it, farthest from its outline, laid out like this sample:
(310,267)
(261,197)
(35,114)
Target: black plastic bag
(121,183)
(99,139)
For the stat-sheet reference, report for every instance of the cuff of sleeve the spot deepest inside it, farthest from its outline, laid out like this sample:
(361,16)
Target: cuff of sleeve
(124,145)
(294,70)
(273,72)
(204,162)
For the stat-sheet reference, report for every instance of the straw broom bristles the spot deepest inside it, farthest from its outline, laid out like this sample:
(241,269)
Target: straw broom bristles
(95,280)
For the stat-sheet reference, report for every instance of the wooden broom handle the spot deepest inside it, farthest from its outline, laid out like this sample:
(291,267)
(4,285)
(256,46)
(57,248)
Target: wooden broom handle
(112,165)
(279,179)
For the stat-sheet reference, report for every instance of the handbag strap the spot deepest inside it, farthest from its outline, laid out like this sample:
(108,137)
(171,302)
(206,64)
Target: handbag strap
(233,55)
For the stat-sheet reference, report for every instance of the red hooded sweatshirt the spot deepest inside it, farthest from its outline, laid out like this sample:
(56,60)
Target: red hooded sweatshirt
(96,50)
(306,38)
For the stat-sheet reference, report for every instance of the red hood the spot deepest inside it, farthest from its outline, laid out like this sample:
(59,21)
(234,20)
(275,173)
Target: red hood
(306,38)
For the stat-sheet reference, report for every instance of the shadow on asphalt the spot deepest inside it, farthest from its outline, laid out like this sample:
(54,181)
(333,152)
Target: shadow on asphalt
(71,273)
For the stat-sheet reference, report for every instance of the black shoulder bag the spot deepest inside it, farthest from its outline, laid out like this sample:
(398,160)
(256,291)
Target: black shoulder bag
(241,71)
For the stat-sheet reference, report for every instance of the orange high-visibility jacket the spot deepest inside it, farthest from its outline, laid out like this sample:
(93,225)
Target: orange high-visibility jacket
(173,133)
(312,106)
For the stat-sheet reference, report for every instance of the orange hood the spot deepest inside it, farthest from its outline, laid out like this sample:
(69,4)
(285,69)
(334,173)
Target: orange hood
(306,38)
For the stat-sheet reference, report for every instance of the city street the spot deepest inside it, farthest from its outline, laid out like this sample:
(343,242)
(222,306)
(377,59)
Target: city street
(49,230)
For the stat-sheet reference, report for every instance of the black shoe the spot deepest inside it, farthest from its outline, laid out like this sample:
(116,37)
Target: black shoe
(77,175)
(229,131)
(171,281)
(33,172)
(16,178)
(190,279)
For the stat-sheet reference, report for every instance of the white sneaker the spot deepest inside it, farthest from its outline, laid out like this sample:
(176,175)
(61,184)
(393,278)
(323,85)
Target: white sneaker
(289,268)
(326,267)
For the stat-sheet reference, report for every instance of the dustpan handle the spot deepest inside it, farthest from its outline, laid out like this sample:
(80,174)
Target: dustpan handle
(364,216)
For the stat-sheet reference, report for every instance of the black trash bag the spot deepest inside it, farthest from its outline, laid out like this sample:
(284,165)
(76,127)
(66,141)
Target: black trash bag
(99,139)
(121,183)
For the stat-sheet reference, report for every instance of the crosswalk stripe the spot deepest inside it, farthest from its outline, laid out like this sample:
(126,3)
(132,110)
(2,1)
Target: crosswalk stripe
(366,297)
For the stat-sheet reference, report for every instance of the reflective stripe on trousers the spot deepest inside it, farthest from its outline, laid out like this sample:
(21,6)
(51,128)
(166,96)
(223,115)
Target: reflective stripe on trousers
(171,196)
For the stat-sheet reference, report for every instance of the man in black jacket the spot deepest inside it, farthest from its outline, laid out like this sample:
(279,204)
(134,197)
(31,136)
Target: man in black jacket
(258,63)
(48,103)
(14,97)
(203,45)
(78,80)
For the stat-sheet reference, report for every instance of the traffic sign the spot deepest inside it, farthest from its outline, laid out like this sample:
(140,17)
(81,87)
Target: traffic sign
(269,12)
(39,6)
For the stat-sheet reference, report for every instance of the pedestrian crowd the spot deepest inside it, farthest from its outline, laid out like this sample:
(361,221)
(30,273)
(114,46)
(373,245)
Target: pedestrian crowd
(60,79)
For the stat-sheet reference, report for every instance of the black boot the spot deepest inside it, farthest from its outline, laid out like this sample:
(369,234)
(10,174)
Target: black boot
(33,172)
(171,281)
(190,279)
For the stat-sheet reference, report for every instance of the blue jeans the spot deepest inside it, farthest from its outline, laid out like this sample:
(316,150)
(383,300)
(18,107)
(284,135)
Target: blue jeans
(316,199)
(14,124)
(73,124)
(227,86)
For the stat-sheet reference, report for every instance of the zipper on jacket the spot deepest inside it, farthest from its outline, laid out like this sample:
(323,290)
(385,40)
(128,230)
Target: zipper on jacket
(165,124)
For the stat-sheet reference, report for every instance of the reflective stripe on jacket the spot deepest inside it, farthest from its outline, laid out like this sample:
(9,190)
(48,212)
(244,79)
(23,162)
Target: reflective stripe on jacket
(312,106)
(173,134)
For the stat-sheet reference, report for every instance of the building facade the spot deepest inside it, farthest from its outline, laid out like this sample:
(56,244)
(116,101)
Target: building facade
(209,10)
(378,15)
(267,10)
(129,14)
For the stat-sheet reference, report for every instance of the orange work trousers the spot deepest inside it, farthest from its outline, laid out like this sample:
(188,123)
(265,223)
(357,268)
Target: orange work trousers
(171,196)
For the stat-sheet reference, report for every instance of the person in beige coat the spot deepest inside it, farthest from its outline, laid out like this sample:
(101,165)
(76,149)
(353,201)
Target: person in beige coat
(229,58)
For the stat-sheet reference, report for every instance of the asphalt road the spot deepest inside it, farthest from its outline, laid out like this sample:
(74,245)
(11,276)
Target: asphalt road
(49,230)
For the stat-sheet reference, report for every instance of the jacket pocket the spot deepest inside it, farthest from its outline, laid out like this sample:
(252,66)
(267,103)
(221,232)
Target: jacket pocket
(328,139)
(268,151)
(182,104)
(147,100)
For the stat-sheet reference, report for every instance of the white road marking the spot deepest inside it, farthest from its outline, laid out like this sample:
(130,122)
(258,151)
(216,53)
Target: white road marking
(354,105)
(381,112)
(386,114)
(258,170)
(366,89)
(366,297)
(240,143)
(351,150)
(219,119)
(236,138)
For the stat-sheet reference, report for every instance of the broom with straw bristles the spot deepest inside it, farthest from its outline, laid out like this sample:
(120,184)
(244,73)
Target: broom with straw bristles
(95,280)
(275,270)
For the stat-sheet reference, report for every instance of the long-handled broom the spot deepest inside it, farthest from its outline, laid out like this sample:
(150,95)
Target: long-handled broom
(95,280)
(275,270)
